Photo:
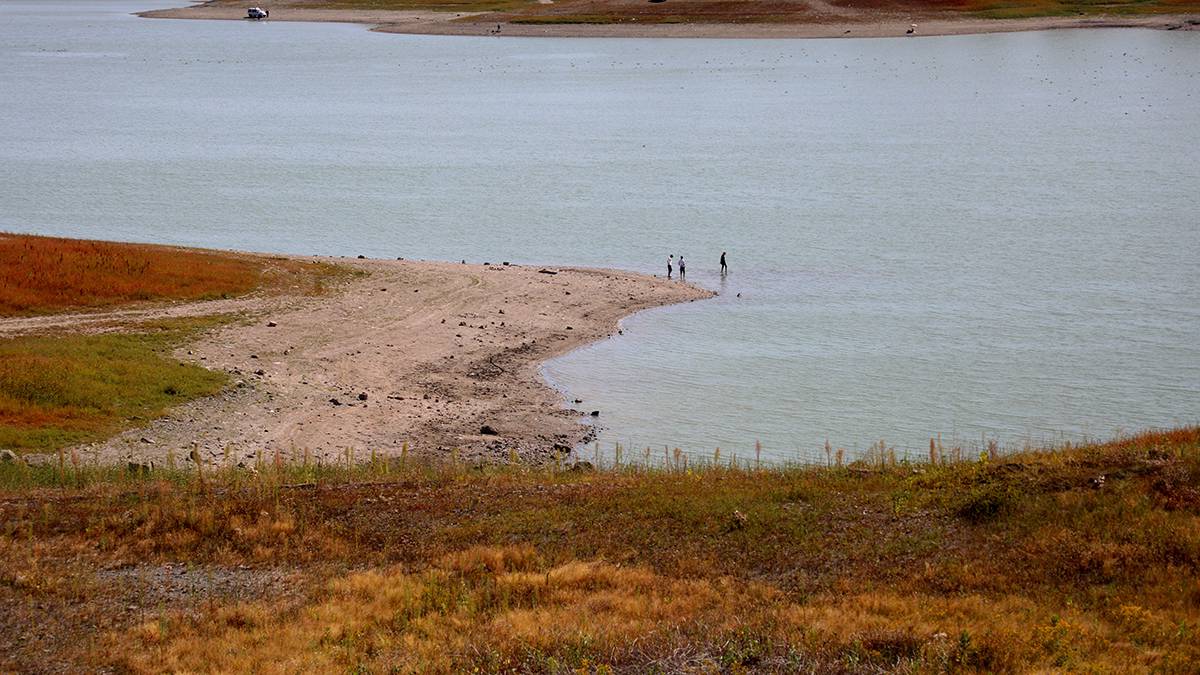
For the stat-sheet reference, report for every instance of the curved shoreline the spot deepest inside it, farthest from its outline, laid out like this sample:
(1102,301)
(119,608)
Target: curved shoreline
(829,26)
(408,357)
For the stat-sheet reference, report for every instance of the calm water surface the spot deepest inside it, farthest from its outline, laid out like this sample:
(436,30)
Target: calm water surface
(974,236)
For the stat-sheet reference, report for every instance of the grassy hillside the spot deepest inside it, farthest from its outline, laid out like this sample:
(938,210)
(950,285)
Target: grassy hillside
(1079,558)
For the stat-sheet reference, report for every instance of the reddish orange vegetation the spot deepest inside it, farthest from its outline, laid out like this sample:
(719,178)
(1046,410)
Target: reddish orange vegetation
(45,274)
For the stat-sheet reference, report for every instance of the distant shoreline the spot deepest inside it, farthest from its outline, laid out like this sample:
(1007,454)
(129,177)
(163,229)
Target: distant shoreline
(465,23)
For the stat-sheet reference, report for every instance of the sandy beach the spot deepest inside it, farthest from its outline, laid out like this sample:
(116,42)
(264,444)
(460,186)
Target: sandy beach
(418,353)
(821,20)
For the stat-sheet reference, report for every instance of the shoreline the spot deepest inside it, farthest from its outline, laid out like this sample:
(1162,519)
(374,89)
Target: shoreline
(408,357)
(843,25)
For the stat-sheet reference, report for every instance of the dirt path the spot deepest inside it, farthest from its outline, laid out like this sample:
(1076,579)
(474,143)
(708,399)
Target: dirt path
(422,353)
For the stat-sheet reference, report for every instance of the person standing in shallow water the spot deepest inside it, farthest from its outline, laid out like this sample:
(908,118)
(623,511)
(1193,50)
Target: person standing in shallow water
(670,269)
(682,269)
(724,267)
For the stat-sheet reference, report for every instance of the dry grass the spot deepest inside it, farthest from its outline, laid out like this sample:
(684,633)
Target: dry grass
(1007,564)
(40,275)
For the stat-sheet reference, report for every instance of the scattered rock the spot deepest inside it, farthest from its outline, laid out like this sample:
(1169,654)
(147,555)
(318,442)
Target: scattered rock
(362,257)
(335,401)
(545,271)
(147,441)
(595,413)
(140,468)
(487,430)
(1097,482)
(9,457)
(271,324)
(260,372)
(362,396)
(578,400)
(738,520)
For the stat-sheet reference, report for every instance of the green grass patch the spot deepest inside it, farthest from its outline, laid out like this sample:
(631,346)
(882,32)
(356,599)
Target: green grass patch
(61,390)
(430,5)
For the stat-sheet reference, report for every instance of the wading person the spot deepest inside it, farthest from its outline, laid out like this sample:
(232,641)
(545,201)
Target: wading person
(670,269)
(724,267)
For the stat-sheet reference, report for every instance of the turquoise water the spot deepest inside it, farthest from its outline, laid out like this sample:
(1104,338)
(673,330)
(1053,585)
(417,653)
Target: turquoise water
(977,236)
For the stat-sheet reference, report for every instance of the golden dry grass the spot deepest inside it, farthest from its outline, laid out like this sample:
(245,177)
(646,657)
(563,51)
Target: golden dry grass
(1005,564)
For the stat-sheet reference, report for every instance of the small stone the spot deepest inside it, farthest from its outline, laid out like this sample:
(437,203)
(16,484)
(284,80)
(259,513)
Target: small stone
(9,457)
(595,413)
(583,467)
(362,257)
(260,372)
(362,396)
(578,400)
(147,441)
(140,468)
(335,401)
(487,430)
(738,520)
(271,324)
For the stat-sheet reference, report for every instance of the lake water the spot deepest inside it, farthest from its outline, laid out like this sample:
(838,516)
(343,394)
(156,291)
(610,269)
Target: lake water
(981,236)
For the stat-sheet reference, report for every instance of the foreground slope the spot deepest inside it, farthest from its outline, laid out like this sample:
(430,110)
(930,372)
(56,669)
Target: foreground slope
(1082,558)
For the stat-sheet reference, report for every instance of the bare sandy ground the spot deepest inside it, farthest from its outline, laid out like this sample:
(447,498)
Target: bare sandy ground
(423,353)
(828,21)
